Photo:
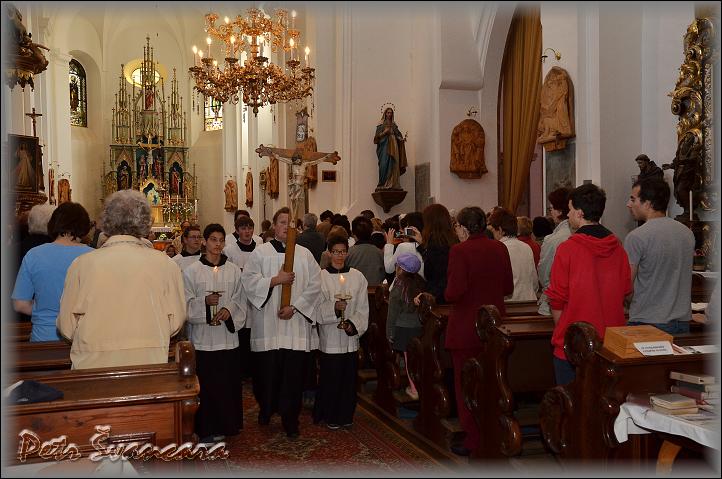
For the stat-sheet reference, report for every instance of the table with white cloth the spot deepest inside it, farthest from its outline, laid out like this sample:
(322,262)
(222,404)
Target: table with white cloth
(703,428)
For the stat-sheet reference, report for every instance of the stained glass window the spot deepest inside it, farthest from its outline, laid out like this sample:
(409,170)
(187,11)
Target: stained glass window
(78,95)
(213,114)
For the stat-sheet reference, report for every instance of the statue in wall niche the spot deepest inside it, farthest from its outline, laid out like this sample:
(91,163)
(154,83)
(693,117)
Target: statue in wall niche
(556,116)
(273,178)
(231,191)
(467,150)
(687,172)
(249,189)
(390,151)
(63,191)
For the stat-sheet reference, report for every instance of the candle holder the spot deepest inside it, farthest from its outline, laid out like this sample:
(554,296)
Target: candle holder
(214,309)
(342,297)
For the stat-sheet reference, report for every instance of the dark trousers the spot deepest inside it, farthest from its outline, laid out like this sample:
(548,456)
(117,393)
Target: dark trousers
(278,385)
(244,344)
(336,396)
(466,419)
(564,372)
(221,408)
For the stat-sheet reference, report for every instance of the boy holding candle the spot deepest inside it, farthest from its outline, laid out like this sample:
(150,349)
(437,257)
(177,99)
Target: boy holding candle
(342,317)
(216,310)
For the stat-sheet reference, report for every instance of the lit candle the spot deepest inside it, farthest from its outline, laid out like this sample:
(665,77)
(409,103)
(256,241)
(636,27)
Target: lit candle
(291,42)
(341,281)
(195,55)
(195,207)
(690,205)
(308,50)
(215,279)
(209,41)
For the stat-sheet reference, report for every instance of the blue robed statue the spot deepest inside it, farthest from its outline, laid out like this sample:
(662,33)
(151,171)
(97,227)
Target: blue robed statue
(391,152)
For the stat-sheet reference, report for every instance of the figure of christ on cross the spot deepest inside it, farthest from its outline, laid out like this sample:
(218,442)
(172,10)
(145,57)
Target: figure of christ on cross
(298,160)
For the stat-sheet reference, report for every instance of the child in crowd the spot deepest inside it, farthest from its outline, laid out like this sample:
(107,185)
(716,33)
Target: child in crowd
(402,323)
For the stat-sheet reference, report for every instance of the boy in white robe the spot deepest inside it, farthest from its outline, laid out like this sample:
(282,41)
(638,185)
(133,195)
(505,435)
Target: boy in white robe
(336,397)
(280,337)
(216,310)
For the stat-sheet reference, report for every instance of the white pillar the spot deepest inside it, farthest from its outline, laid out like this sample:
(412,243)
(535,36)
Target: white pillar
(56,117)
(231,158)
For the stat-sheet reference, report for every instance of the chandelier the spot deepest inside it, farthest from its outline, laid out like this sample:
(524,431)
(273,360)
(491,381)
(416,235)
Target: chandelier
(246,72)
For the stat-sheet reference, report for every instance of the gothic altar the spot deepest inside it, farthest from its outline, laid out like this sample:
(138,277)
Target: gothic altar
(148,151)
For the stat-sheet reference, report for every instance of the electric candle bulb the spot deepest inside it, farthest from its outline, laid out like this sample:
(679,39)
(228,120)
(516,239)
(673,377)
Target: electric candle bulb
(308,50)
(226,19)
(292,43)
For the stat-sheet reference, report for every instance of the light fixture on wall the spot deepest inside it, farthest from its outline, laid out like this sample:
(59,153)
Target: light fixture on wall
(246,71)
(557,55)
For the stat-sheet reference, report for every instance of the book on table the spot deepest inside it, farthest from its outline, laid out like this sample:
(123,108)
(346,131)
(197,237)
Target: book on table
(699,387)
(672,401)
(694,393)
(692,378)
(676,412)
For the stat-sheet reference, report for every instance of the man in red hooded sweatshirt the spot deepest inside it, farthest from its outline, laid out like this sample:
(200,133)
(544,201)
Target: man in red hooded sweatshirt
(590,276)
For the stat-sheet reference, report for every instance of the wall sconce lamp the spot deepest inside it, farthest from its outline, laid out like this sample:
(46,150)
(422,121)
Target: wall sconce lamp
(557,55)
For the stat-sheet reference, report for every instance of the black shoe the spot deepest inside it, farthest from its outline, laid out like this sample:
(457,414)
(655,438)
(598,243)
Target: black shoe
(460,450)
(292,435)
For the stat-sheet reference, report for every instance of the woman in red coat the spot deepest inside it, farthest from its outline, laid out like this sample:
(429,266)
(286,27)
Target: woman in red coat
(479,273)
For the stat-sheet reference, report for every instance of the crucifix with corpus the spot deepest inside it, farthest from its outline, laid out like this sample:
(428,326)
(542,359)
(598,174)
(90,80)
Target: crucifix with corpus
(297,159)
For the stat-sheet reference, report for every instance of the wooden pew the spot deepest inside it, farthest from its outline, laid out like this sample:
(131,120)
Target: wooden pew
(51,355)
(152,403)
(16,331)
(516,359)
(521,308)
(364,375)
(388,377)
(577,420)
(428,360)
(702,288)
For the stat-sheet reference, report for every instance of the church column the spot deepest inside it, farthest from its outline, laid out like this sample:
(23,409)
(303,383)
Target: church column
(232,143)
(56,115)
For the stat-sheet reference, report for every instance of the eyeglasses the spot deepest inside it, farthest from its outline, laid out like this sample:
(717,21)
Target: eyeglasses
(338,253)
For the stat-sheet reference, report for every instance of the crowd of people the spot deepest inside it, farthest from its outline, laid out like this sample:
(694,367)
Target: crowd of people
(120,303)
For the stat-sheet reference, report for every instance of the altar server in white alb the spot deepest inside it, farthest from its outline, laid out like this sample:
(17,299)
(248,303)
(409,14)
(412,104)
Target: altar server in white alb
(280,337)
(336,397)
(216,310)
(239,247)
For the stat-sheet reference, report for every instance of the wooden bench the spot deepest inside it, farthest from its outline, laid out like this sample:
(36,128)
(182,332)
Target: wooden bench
(366,375)
(152,403)
(388,375)
(521,308)
(51,355)
(515,360)
(577,420)
(428,360)
(16,331)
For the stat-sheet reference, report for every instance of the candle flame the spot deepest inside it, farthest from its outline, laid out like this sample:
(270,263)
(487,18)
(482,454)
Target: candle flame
(308,50)
(341,279)
(215,269)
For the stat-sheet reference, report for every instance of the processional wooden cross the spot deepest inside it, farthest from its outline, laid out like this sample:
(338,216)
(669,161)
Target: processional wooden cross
(297,159)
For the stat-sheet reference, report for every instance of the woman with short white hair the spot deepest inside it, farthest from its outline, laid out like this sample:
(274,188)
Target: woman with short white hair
(123,301)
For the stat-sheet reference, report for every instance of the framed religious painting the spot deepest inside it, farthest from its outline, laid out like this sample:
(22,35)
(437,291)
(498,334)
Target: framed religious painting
(26,163)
